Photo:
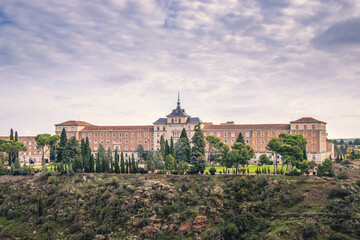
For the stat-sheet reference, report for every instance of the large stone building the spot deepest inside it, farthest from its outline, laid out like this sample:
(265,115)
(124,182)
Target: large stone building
(127,138)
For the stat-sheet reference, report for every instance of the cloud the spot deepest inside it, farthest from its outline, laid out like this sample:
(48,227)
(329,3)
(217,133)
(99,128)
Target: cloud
(252,61)
(343,34)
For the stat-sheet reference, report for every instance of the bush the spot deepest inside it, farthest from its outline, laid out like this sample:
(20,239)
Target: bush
(212,171)
(339,236)
(142,170)
(53,180)
(175,172)
(310,232)
(338,192)
(295,172)
(46,174)
(343,175)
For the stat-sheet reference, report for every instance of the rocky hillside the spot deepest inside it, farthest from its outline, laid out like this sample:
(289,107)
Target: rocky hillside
(111,206)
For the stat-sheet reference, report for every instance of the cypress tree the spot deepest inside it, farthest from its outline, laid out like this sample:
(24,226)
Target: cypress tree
(11,138)
(127,166)
(172,149)
(92,162)
(98,166)
(122,163)
(116,165)
(198,151)
(133,167)
(110,160)
(16,140)
(167,148)
(162,146)
(240,138)
(62,143)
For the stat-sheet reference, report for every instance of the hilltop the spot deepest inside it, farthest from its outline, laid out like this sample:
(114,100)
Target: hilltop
(113,206)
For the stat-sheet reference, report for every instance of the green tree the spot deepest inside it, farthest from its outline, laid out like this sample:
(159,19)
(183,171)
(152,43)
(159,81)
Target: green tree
(98,162)
(133,165)
(162,146)
(62,143)
(167,148)
(240,139)
(43,140)
(141,152)
(264,160)
(127,166)
(110,160)
(241,154)
(71,150)
(182,167)
(182,148)
(171,148)
(116,164)
(11,148)
(198,151)
(154,161)
(92,163)
(122,163)
(169,163)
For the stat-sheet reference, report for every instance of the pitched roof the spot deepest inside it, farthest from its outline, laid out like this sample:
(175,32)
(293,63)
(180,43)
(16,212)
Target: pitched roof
(307,120)
(118,128)
(193,120)
(74,123)
(161,121)
(209,127)
(178,112)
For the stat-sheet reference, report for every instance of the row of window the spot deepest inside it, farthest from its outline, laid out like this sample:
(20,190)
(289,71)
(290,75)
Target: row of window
(255,134)
(121,134)
(120,141)
(126,148)
(305,126)
(263,149)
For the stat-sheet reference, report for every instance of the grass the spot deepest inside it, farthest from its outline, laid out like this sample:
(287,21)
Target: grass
(252,169)
(3,220)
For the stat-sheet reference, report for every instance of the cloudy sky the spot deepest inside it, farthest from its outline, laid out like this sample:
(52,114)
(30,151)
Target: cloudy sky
(119,62)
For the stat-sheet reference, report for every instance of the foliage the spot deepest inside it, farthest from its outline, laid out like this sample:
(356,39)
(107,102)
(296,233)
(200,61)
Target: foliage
(264,160)
(212,171)
(155,161)
(197,158)
(182,148)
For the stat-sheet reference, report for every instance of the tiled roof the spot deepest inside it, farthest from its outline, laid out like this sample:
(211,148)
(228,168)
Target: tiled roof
(118,128)
(178,112)
(161,121)
(307,120)
(20,138)
(74,123)
(209,127)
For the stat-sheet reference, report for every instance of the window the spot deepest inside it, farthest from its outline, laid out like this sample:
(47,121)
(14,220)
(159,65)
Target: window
(225,134)
(132,141)
(313,126)
(83,134)
(262,149)
(225,141)
(232,134)
(158,135)
(305,127)
(139,134)
(101,141)
(313,134)
(247,141)
(107,134)
(126,134)
(139,141)
(101,134)
(89,134)
(313,141)
(255,141)
(95,134)
(163,128)
(172,120)
(262,141)
(313,149)
(305,134)
(218,134)
(313,157)
(179,120)
(152,134)
(277,134)
(254,134)
(145,134)
(120,135)
(255,149)
(114,134)
(262,134)
(95,141)
(126,148)
(247,134)
(297,126)
(132,134)
(175,134)
(126,141)
(158,128)
(269,134)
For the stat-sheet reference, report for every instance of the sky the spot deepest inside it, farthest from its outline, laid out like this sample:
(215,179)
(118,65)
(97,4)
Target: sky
(122,62)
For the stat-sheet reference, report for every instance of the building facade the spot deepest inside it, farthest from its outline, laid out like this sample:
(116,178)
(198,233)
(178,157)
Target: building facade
(128,138)
(33,155)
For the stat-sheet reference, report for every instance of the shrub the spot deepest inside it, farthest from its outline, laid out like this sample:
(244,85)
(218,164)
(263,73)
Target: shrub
(310,232)
(295,172)
(339,236)
(343,175)
(338,192)
(53,180)
(231,231)
(357,182)
(212,171)
(142,170)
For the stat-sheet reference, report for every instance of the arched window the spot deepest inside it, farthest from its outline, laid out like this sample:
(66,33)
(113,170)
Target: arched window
(313,126)
(305,127)
(297,126)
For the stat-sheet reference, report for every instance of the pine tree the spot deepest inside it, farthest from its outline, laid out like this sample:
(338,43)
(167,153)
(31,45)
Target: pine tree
(182,148)
(240,138)
(172,149)
(98,165)
(198,151)
(122,163)
(116,165)
(62,143)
